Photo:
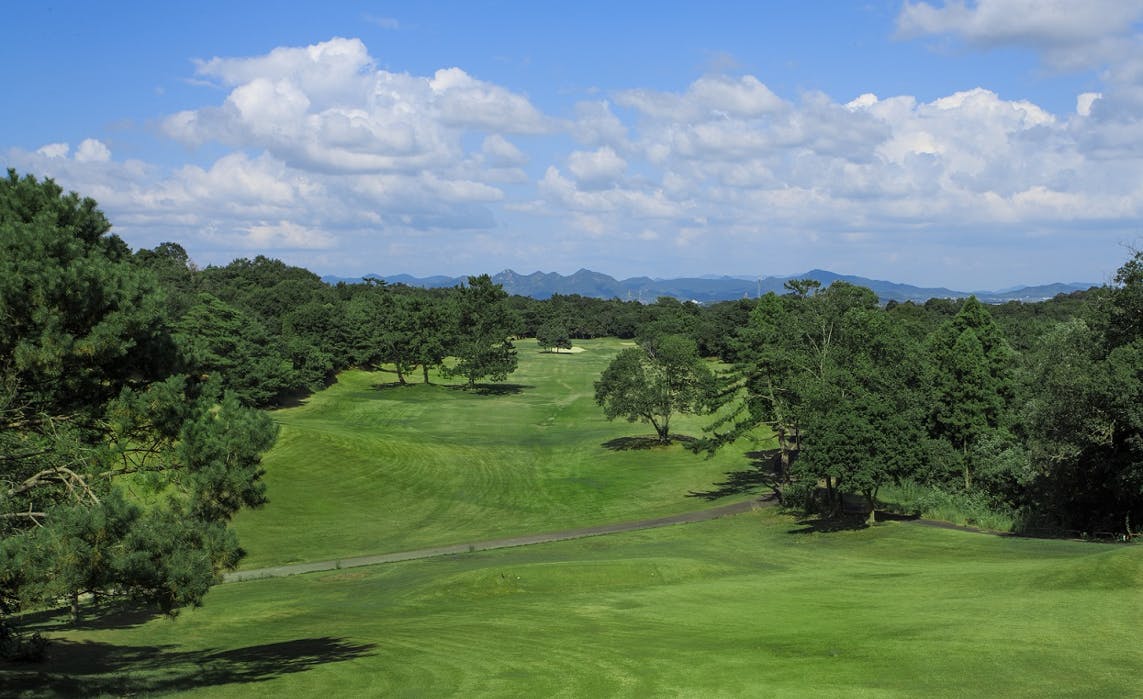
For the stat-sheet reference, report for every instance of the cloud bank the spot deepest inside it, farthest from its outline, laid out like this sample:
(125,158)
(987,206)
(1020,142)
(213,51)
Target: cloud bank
(330,161)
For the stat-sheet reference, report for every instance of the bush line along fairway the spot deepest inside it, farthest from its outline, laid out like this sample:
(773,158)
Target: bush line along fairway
(365,467)
(748,605)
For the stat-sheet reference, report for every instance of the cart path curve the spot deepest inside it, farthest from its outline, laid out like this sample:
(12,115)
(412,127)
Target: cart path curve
(452,549)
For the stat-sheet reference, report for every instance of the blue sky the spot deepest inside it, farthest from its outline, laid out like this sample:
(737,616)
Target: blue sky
(967,144)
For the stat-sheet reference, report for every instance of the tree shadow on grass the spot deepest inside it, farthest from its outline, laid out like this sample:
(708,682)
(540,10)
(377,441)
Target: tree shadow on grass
(105,616)
(89,668)
(499,389)
(825,525)
(300,397)
(387,385)
(639,443)
(849,521)
(764,471)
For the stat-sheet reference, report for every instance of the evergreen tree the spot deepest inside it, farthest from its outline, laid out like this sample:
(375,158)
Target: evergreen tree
(971,381)
(553,335)
(482,346)
(87,403)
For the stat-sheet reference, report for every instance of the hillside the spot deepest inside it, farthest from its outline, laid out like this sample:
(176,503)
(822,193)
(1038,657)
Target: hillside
(710,289)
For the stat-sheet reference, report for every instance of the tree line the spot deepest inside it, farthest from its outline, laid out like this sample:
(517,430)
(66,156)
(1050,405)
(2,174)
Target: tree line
(1003,404)
(130,383)
(858,396)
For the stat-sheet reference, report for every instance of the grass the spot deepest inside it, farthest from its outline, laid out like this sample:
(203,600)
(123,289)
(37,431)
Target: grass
(755,604)
(368,467)
(748,605)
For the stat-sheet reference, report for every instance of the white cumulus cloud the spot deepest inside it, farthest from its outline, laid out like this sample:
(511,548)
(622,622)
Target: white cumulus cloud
(596,168)
(1070,33)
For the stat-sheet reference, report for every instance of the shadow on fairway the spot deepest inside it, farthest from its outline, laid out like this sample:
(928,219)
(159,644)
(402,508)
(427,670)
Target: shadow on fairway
(93,668)
(498,389)
(301,397)
(103,617)
(763,472)
(849,522)
(637,443)
(387,385)
(825,525)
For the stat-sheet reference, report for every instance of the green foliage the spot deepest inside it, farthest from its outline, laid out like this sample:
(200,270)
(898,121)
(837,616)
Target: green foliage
(970,377)
(176,273)
(1084,417)
(935,502)
(482,345)
(115,477)
(835,380)
(662,376)
(191,458)
(218,339)
(553,335)
(80,320)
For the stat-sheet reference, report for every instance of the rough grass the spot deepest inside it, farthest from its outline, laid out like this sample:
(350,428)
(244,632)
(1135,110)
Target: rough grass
(934,503)
(369,467)
(744,606)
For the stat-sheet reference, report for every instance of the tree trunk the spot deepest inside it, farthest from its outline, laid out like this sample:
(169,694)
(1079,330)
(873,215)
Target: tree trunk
(871,497)
(400,374)
(75,606)
(967,472)
(783,455)
(425,369)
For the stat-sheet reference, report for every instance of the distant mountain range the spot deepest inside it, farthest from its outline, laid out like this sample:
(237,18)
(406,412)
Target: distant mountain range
(709,289)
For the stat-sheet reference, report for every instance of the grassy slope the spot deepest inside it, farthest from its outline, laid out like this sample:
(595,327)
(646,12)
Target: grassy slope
(739,606)
(365,469)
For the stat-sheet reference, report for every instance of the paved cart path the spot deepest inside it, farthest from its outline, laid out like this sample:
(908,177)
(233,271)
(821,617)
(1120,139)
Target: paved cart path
(546,537)
(579,533)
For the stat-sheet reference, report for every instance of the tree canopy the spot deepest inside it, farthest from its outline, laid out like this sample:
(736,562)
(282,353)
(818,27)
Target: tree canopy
(483,347)
(660,377)
(90,403)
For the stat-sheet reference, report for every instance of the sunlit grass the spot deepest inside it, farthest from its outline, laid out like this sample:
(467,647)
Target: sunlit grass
(750,605)
(368,467)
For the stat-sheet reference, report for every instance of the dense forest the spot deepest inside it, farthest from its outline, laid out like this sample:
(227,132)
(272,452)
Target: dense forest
(132,383)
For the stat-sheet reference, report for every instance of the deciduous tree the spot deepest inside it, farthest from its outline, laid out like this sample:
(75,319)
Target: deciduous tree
(654,381)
